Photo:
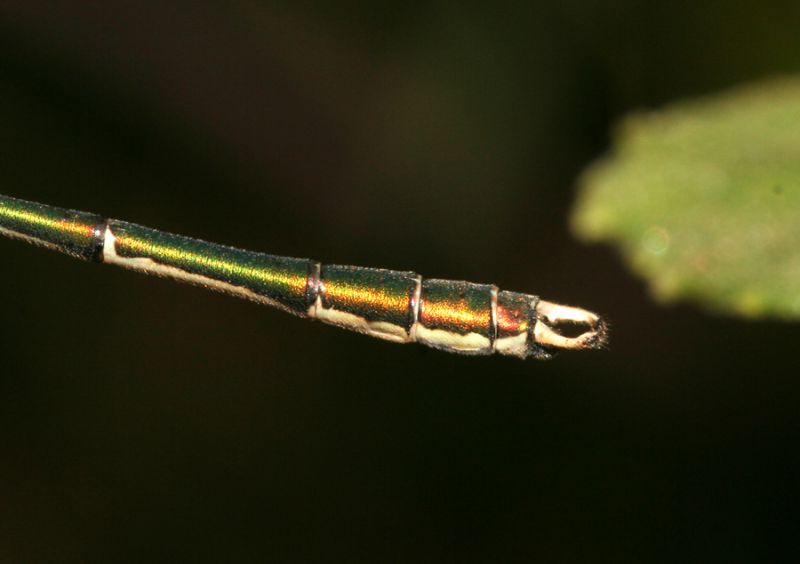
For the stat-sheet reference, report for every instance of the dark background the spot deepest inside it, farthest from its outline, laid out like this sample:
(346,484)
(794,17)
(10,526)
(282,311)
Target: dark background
(145,421)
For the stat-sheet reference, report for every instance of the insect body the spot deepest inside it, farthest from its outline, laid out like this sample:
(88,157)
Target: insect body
(454,316)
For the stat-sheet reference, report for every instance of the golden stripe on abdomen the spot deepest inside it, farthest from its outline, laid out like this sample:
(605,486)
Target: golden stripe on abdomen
(368,300)
(456,316)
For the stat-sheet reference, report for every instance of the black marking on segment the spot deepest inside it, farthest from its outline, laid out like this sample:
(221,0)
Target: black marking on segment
(413,310)
(493,315)
(313,283)
(536,350)
(415,303)
(95,251)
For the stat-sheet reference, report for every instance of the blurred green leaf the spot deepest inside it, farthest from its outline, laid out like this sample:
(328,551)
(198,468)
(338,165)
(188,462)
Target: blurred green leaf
(703,200)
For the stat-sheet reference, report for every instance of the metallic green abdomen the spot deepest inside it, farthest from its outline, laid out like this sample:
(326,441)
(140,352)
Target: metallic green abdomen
(280,281)
(455,316)
(75,233)
(370,293)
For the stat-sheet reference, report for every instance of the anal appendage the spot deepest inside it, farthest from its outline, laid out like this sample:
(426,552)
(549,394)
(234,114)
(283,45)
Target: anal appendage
(554,319)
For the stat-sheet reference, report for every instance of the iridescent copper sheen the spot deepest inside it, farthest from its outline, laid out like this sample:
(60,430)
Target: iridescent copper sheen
(514,313)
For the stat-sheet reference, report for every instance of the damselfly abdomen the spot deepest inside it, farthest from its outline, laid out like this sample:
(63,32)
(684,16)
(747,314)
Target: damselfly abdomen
(455,316)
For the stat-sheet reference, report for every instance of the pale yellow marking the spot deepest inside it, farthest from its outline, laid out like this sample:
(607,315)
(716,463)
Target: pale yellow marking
(380,329)
(149,266)
(469,343)
(513,346)
(315,307)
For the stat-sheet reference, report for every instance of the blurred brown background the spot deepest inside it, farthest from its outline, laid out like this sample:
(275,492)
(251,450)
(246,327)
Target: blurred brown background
(145,421)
